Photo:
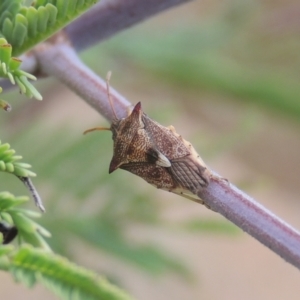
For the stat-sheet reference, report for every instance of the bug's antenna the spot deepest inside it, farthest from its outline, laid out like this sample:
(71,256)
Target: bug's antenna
(111,105)
(109,95)
(96,128)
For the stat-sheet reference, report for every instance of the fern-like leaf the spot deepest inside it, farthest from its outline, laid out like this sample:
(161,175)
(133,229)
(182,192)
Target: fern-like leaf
(9,162)
(10,68)
(23,26)
(65,279)
(29,230)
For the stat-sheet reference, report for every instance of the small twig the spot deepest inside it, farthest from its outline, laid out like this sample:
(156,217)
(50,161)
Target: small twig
(35,195)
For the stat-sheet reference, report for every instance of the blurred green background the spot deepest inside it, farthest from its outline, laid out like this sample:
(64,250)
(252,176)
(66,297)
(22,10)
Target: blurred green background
(226,75)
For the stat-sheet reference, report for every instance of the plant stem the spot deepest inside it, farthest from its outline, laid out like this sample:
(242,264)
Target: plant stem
(226,199)
(62,62)
(108,17)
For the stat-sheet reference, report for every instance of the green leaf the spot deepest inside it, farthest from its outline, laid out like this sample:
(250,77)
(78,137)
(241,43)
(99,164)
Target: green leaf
(9,68)
(9,162)
(19,34)
(14,64)
(32,18)
(23,27)
(65,279)
(5,249)
(29,230)
(43,16)
(8,201)
(7,27)
(5,53)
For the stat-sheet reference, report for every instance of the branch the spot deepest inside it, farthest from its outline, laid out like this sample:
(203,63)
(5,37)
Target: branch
(62,62)
(252,217)
(108,17)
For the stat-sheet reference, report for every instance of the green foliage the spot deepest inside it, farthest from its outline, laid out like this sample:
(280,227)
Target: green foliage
(10,68)
(23,26)
(30,265)
(9,162)
(29,231)
(65,279)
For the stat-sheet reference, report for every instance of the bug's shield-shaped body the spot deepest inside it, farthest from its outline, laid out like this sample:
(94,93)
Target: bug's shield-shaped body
(157,154)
